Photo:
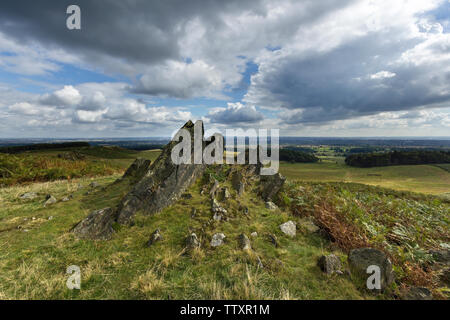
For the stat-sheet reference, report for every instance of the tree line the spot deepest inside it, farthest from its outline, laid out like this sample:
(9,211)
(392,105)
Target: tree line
(393,158)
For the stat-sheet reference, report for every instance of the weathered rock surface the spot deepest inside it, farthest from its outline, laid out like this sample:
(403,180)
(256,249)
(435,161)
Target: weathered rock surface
(417,293)
(155,236)
(329,264)
(288,228)
(244,242)
(49,200)
(217,210)
(237,181)
(225,193)
(163,183)
(217,239)
(138,169)
(96,226)
(192,242)
(308,224)
(271,185)
(441,256)
(214,188)
(360,259)
(28,195)
(271,206)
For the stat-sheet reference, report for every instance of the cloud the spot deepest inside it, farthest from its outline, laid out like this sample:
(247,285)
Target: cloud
(235,113)
(180,80)
(335,72)
(67,96)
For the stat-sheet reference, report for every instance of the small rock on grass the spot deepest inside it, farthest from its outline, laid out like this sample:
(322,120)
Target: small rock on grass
(192,242)
(217,240)
(50,200)
(288,228)
(271,206)
(329,264)
(244,242)
(156,236)
(28,195)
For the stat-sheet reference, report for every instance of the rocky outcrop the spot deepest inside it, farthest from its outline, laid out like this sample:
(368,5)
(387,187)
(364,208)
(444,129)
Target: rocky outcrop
(96,226)
(237,181)
(271,185)
(217,210)
(138,169)
(329,264)
(360,259)
(163,183)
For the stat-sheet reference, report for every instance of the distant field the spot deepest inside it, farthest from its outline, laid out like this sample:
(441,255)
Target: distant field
(429,179)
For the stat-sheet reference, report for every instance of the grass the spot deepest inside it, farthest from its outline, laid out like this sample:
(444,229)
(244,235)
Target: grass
(426,179)
(39,166)
(33,263)
(36,246)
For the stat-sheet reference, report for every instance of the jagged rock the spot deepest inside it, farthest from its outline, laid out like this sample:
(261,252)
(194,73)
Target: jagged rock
(254,234)
(164,181)
(93,184)
(329,264)
(192,242)
(49,200)
(237,182)
(217,239)
(138,169)
(441,256)
(155,236)
(417,293)
(28,195)
(288,228)
(226,194)
(244,242)
(96,226)
(271,206)
(214,188)
(218,210)
(271,185)
(360,259)
(308,224)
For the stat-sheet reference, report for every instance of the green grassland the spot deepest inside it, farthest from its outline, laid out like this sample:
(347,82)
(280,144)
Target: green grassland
(33,263)
(429,179)
(36,246)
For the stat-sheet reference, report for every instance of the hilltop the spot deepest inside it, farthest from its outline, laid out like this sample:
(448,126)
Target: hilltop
(255,237)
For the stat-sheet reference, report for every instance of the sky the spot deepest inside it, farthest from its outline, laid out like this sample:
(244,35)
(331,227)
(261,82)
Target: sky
(139,68)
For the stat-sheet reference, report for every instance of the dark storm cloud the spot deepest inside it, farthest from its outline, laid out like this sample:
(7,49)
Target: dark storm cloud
(138,31)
